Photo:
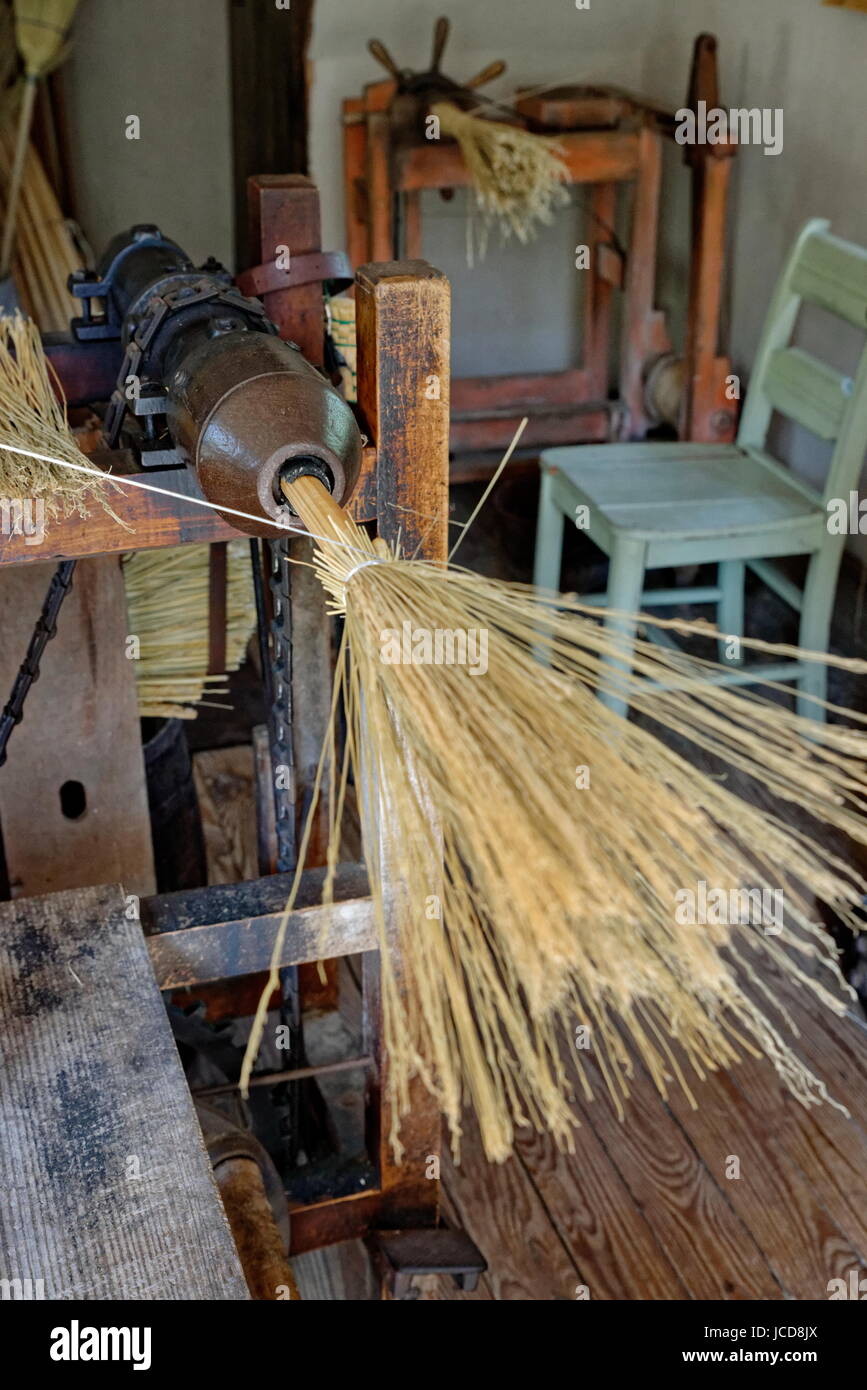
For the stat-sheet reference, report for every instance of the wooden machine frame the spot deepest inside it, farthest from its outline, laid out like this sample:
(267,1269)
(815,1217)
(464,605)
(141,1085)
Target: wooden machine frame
(222,933)
(570,406)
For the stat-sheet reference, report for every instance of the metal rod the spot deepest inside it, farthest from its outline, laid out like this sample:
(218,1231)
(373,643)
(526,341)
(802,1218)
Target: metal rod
(275,1077)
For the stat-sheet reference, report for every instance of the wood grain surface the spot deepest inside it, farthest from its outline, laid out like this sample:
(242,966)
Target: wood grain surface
(107,1189)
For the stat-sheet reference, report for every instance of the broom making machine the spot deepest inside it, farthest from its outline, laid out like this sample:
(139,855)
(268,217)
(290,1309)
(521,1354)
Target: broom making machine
(216,394)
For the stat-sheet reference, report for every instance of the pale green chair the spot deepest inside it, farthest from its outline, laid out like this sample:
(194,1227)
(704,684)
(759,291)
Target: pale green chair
(662,504)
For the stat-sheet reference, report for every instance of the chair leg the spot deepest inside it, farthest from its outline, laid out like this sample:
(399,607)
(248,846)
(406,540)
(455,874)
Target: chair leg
(625,585)
(817,607)
(730,609)
(549,537)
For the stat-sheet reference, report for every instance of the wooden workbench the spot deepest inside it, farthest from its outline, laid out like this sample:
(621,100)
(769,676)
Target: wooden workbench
(107,1188)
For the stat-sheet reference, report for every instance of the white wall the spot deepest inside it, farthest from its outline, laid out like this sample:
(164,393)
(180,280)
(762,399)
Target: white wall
(167,62)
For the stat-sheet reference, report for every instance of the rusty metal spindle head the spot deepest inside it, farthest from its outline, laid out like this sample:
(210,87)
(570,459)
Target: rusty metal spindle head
(247,408)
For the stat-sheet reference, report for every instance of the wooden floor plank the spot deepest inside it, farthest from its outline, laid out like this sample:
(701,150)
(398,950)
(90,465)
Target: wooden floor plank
(690,1214)
(803,1245)
(499,1207)
(107,1188)
(608,1236)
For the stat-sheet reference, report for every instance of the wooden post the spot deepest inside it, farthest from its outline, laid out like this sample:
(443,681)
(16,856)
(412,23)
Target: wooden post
(597,303)
(638,313)
(403,387)
(707,415)
(402,320)
(380,188)
(355,179)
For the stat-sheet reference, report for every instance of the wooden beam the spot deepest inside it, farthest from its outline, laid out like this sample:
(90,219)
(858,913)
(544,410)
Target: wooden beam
(403,316)
(403,329)
(154,521)
(107,1188)
(73,799)
(228,930)
(594,157)
(227,950)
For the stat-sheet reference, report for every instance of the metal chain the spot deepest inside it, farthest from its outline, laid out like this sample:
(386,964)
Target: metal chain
(28,672)
(281,711)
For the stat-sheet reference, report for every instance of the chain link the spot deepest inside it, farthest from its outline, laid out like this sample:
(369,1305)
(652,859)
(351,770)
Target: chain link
(281,712)
(28,672)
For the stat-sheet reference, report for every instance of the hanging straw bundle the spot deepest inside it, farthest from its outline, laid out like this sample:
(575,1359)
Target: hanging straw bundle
(168,603)
(45,248)
(41,30)
(33,418)
(517,177)
(526,901)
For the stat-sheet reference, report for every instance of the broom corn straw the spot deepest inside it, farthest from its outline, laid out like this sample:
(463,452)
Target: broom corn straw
(517,177)
(516,901)
(523,902)
(41,28)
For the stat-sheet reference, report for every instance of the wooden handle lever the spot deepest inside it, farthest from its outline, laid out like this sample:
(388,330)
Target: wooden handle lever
(486,75)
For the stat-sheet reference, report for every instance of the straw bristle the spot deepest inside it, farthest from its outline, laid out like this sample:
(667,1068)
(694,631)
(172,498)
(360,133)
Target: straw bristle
(41,31)
(517,177)
(167,595)
(527,902)
(32,416)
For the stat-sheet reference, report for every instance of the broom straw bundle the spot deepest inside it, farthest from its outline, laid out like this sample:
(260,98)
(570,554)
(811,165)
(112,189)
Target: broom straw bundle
(32,417)
(517,177)
(168,604)
(41,29)
(45,249)
(527,901)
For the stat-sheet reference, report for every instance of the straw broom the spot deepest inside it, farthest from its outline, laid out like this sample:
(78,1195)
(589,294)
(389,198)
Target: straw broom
(45,249)
(517,177)
(41,29)
(527,903)
(32,417)
(516,900)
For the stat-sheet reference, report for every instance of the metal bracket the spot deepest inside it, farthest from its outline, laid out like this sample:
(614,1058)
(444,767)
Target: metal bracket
(401,1256)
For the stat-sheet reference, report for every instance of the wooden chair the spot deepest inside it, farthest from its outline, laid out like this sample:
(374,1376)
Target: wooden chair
(660,504)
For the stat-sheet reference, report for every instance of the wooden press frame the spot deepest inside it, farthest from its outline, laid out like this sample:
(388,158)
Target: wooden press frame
(570,406)
(225,932)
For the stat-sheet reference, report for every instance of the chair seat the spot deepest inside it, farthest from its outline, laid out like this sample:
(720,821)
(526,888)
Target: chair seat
(682,490)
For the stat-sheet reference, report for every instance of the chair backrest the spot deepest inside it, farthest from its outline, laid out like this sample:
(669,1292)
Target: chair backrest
(822,270)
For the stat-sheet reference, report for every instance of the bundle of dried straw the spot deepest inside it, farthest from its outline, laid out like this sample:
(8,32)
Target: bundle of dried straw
(517,177)
(33,418)
(168,604)
(527,901)
(41,31)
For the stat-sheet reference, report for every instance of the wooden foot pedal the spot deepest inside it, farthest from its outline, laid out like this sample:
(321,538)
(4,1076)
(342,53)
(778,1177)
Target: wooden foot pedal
(401,1256)
(107,1188)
